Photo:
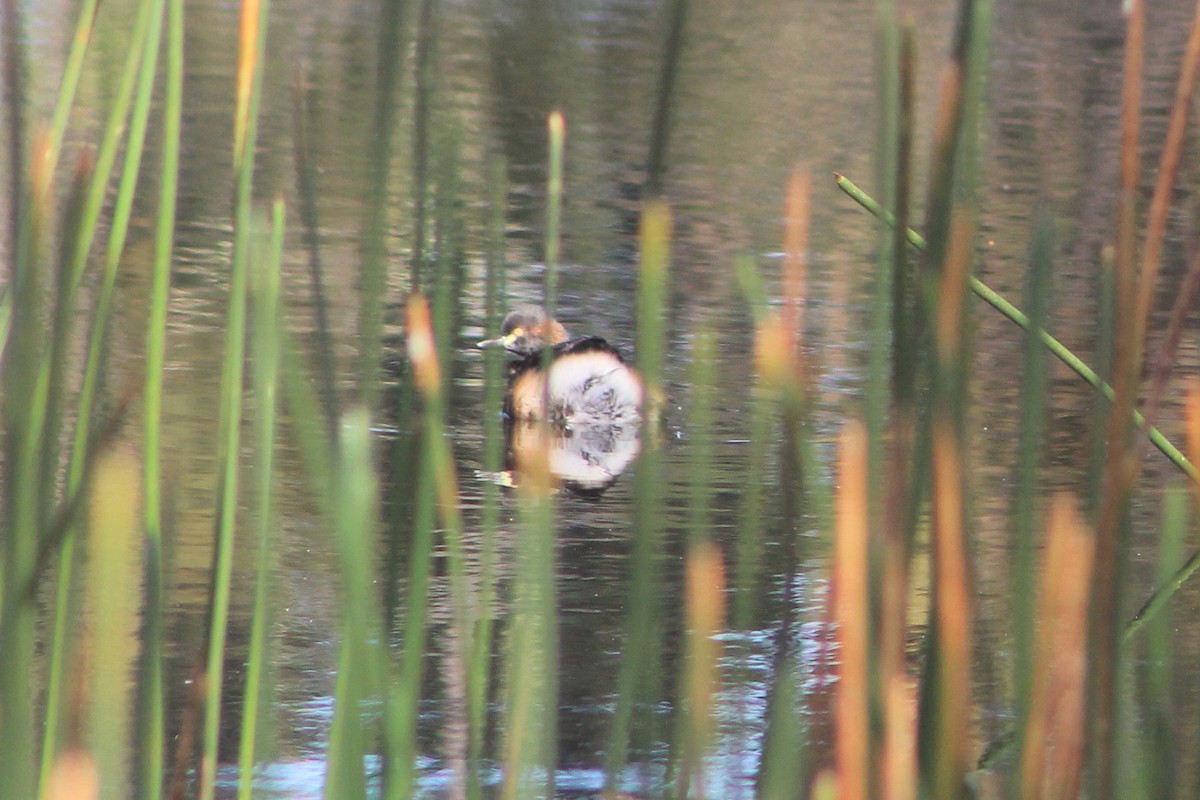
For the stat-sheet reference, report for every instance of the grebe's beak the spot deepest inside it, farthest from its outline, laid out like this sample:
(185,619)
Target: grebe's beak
(500,341)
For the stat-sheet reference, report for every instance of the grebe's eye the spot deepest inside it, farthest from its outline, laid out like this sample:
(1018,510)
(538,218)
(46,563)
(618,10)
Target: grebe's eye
(518,332)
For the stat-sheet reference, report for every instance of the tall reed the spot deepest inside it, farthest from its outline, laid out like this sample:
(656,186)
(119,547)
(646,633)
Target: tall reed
(253,37)
(152,745)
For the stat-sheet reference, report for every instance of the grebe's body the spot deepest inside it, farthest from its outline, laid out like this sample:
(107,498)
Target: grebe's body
(589,382)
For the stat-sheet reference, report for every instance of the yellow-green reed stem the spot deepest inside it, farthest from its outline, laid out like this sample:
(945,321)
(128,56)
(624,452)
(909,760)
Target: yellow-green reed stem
(750,283)
(1025,490)
(344,757)
(5,319)
(344,777)
(763,413)
(147,23)
(356,515)
(15,43)
(122,209)
(138,75)
(66,606)
(23,431)
(703,380)
(373,248)
(693,725)
(493,443)
(783,764)
(306,414)
(531,708)
(531,703)
(556,126)
(1157,602)
(638,683)
(1015,315)
(151,720)
(445,483)
(113,574)
(904,355)
(751,523)
(264,290)
(402,775)
(249,89)
(426,46)
(65,99)
(704,619)
(1160,753)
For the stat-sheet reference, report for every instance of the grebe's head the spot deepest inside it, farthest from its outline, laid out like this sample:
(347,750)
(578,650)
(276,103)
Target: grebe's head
(526,331)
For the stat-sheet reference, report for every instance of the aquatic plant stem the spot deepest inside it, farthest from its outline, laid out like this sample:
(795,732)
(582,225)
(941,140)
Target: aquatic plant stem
(265,343)
(151,733)
(249,89)
(478,677)
(1015,315)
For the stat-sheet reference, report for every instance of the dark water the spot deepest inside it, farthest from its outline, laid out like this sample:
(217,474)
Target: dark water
(764,87)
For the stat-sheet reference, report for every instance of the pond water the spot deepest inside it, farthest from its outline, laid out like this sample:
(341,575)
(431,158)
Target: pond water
(763,88)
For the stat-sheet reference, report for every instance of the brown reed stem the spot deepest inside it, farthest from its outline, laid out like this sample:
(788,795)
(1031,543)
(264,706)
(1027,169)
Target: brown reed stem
(853,617)
(1111,535)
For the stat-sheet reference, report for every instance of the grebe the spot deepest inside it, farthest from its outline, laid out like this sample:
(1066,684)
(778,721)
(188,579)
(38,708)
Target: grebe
(590,383)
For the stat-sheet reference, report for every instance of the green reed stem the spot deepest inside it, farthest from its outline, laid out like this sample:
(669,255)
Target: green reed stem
(751,516)
(65,99)
(554,192)
(142,66)
(416,623)
(441,464)
(700,467)
(425,69)
(694,725)
(15,79)
(479,673)
(356,511)
(250,71)
(531,707)
(638,681)
(1015,315)
(147,23)
(65,622)
(1161,754)
(18,550)
(344,777)
(265,350)
(1025,490)
(152,746)
(112,599)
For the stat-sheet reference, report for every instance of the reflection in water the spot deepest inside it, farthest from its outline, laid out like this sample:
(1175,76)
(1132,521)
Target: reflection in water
(585,460)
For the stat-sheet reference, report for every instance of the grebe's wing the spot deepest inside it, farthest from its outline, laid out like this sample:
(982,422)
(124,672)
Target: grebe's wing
(587,344)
